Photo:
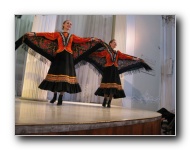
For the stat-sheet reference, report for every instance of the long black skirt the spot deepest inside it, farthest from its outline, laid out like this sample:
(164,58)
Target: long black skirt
(61,76)
(111,83)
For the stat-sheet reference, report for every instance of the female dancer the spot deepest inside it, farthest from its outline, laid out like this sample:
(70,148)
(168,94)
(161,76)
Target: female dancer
(111,85)
(61,76)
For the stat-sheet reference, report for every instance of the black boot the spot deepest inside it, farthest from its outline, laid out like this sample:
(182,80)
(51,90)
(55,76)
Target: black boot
(60,100)
(109,104)
(54,98)
(104,102)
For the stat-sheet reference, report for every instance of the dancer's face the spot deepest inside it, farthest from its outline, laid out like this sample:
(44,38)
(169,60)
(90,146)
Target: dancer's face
(67,25)
(113,44)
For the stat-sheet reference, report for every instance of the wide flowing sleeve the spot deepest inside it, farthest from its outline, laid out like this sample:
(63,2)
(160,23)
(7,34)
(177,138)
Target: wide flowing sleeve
(48,35)
(125,56)
(77,39)
(98,58)
(84,47)
(126,63)
(40,44)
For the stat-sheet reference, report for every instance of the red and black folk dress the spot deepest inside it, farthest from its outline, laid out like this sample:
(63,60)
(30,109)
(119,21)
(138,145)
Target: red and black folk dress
(61,75)
(111,83)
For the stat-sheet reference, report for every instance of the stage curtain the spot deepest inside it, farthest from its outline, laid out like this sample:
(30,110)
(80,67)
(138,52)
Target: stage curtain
(22,25)
(37,67)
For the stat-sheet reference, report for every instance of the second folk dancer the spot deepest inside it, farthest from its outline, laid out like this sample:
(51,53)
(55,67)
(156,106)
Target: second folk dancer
(110,63)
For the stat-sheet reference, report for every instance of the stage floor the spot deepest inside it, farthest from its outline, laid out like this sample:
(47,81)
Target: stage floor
(38,116)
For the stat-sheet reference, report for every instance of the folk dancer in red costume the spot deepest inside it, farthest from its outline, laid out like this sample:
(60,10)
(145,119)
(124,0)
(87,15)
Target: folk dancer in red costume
(64,50)
(110,63)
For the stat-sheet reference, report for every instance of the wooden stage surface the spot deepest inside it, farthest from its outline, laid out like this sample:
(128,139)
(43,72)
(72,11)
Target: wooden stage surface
(72,118)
